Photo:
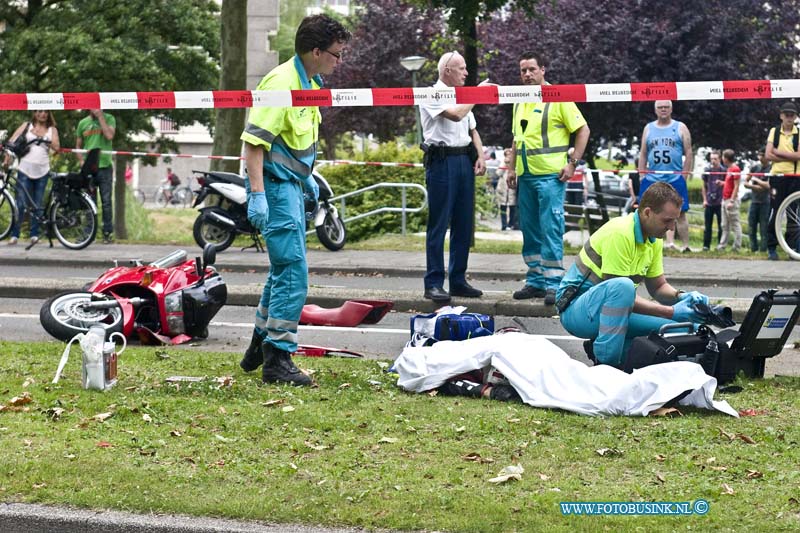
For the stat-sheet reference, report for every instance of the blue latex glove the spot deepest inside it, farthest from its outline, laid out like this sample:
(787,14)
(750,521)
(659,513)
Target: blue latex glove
(695,297)
(684,312)
(311,187)
(257,210)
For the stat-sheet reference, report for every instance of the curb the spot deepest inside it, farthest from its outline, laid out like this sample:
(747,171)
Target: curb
(404,301)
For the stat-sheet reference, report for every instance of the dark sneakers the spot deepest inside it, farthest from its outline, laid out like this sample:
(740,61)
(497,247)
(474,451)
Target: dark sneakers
(550,297)
(279,367)
(252,356)
(437,294)
(465,291)
(529,291)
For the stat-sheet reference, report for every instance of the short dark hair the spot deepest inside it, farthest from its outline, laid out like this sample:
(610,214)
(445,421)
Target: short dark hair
(728,154)
(540,59)
(659,194)
(319,31)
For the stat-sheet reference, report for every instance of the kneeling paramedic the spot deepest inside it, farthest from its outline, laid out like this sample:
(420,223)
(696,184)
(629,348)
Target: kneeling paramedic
(280,151)
(597,298)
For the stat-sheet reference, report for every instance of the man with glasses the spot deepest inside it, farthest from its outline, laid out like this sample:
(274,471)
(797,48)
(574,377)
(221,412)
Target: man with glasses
(453,157)
(280,150)
(542,134)
(782,150)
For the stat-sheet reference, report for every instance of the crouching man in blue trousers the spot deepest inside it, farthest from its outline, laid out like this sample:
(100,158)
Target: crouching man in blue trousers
(597,297)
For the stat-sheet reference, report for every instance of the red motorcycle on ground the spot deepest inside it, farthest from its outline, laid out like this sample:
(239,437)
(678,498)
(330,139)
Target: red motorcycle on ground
(168,301)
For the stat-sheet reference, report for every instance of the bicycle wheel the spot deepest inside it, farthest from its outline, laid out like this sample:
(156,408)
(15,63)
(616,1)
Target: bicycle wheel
(74,222)
(161,198)
(8,213)
(182,197)
(139,195)
(787,225)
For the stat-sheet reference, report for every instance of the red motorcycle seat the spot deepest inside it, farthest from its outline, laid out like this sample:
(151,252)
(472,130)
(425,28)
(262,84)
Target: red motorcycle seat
(350,314)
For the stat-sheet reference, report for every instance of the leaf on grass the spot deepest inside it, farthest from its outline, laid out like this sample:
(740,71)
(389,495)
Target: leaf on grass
(727,489)
(476,458)
(147,452)
(660,458)
(161,354)
(28,382)
(543,477)
(608,452)
(752,412)
(223,439)
(287,409)
(39,485)
(513,420)
(720,468)
(753,474)
(54,413)
(670,412)
(729,436)
(508,473)
(661,478)
(224,381)
(316,447)
(711,460)
(345,386)
(433,392)
(102,417)
(271,403)
(745,438)
(104,444)
(461,429)
(147,418)
(22,399)
(175,433)
(388,440)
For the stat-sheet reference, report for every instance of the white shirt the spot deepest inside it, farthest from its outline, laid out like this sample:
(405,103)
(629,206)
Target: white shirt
(437,129)
(36,163)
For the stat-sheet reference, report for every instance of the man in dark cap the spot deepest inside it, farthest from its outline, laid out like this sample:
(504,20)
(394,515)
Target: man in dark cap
(782,150)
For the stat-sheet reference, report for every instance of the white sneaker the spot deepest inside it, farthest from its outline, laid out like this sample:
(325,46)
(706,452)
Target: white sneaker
(12,241)
(34,240)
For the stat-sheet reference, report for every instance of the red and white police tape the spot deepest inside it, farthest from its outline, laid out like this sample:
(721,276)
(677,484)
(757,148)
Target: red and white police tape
(406,96)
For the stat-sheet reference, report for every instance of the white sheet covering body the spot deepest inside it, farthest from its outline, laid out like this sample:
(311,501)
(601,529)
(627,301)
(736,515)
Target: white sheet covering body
(545,376)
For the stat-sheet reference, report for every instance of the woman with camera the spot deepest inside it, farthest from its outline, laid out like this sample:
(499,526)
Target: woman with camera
(35,140)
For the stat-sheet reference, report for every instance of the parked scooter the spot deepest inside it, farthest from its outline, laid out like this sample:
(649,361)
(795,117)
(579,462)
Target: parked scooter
(224,213)
(171,300)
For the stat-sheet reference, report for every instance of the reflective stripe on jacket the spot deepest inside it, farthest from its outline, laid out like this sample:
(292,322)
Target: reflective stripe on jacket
(541,132)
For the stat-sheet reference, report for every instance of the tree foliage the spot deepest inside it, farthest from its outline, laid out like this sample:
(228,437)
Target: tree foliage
(619,41)
(105,46)
(384,31)
(292,13)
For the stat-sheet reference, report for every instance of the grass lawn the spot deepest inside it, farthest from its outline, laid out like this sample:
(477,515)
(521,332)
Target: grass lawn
(358,451)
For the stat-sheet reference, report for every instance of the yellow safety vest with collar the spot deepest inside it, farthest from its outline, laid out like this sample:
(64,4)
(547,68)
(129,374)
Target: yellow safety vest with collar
(541,132)
(289,135)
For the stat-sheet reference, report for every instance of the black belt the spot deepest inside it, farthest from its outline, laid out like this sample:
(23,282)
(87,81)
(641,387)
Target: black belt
(442,150)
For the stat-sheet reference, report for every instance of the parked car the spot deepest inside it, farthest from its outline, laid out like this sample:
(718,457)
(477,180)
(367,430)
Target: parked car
(613,186)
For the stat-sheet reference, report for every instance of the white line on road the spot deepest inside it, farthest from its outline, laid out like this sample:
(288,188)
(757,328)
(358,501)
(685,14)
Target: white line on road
(393,331)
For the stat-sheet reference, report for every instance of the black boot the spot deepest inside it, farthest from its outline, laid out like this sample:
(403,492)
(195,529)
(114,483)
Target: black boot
(252,356)
(279,367)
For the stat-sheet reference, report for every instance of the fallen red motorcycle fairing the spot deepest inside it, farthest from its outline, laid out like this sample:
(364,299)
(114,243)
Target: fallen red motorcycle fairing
(350,314)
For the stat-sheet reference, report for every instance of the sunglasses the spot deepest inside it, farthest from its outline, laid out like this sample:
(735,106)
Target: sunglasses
(338,55)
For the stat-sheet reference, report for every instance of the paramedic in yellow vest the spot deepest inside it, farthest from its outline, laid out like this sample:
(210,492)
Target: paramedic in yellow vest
(624,252)
(541,139)
(280,145)
(784,156)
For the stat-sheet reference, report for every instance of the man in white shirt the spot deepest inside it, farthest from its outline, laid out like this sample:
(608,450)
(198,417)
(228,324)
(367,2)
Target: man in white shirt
(453,157)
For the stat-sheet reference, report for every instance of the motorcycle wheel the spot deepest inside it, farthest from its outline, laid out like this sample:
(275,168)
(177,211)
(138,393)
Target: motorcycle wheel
(206,233)
(63,317)
(331,232)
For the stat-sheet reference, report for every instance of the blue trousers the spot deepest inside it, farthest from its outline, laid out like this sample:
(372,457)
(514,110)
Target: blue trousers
(451,194)
(104,181)
(540,200)
(35,189)
(285,290)
(605,313)
(757,220)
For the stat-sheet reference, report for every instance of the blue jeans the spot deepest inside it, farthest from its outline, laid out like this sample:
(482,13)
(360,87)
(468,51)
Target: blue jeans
(757,220)
(540,200)
(104,181)
(35,188)
(450,182)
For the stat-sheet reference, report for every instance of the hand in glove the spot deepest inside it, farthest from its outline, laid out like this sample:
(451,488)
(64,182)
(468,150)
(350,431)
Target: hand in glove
(683,311)
(257,210)
(311,187)
(694,297)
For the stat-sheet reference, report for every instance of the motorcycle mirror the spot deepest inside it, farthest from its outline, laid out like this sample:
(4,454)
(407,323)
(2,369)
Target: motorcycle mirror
(209,255)
(198,268)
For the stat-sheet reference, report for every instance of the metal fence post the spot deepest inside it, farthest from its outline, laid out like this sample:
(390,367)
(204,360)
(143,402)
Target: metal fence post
(403,204)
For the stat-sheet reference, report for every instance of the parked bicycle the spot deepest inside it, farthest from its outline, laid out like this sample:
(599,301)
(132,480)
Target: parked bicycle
(787,225)
(70,213)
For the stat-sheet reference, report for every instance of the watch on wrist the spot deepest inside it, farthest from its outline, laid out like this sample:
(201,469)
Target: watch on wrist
(573,161)
(678,294)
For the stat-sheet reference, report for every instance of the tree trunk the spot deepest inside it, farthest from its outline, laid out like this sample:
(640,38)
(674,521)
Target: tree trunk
(233,76)
(471,54)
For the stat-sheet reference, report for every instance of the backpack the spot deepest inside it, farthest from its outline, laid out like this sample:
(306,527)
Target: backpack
(430,328)
(174,180)
(776,138)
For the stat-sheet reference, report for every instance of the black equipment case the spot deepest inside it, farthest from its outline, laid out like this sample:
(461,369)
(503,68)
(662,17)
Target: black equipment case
(764,331)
